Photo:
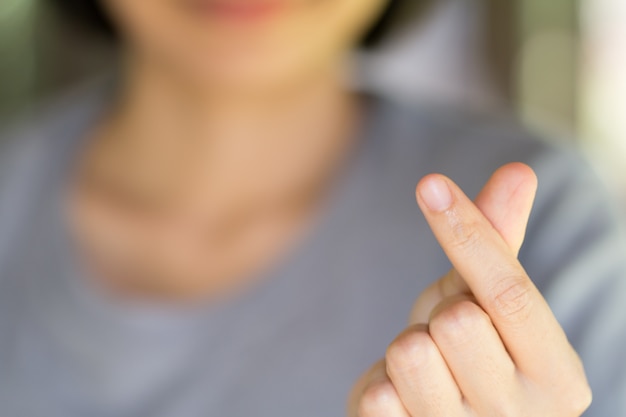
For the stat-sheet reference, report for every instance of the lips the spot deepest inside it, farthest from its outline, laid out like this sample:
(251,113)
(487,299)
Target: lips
(237,10)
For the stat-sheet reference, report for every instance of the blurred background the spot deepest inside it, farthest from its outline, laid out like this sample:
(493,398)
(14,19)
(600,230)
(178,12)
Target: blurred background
(559,64)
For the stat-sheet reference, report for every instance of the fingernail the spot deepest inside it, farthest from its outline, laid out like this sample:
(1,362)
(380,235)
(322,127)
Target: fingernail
(436,194)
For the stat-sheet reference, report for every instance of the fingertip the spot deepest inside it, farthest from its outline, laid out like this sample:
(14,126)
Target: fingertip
(434,193)
(426,179)
(518,173)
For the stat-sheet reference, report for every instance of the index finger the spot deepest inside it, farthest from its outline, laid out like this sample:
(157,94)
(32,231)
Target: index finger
(480,255)
(506,201)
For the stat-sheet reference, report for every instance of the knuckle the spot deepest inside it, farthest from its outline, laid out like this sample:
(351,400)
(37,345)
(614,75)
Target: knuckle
(458,321)
(512,299)
(409,350)
(465,235)
(502,408)
(378,397)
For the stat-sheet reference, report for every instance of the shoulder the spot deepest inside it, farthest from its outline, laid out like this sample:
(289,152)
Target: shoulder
(53,123)
(469,145)
(33,147)
(52,114)
(575,218)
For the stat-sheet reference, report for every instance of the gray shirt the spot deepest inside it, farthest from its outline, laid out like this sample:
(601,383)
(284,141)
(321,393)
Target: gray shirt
(294,344)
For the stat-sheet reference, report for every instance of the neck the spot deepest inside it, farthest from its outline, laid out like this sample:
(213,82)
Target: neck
(165,130)
(241,170)
(164,107)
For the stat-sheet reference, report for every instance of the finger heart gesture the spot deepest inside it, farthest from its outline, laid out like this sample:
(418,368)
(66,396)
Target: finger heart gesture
(482,339)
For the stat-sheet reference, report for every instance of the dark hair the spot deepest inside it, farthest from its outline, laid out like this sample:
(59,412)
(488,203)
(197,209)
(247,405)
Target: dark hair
(91,15)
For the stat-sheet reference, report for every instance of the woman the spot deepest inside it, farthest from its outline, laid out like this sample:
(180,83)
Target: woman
(225,228)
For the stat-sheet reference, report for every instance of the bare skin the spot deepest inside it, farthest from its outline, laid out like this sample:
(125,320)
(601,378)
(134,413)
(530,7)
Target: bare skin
(482,341)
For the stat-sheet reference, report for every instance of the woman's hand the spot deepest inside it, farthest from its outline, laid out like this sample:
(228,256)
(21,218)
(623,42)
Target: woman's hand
(482,339)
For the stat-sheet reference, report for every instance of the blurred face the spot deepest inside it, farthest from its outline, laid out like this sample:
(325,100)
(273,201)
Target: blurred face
(242,43)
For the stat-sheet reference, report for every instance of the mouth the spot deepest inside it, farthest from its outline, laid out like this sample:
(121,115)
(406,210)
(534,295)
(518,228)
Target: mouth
(236,10)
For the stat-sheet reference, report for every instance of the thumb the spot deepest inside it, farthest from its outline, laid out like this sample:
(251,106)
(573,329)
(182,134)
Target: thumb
(506,201)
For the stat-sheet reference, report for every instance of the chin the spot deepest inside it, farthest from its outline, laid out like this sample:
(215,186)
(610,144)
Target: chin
(251,75)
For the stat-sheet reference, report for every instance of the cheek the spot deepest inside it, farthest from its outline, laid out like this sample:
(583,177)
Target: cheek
(305,34)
